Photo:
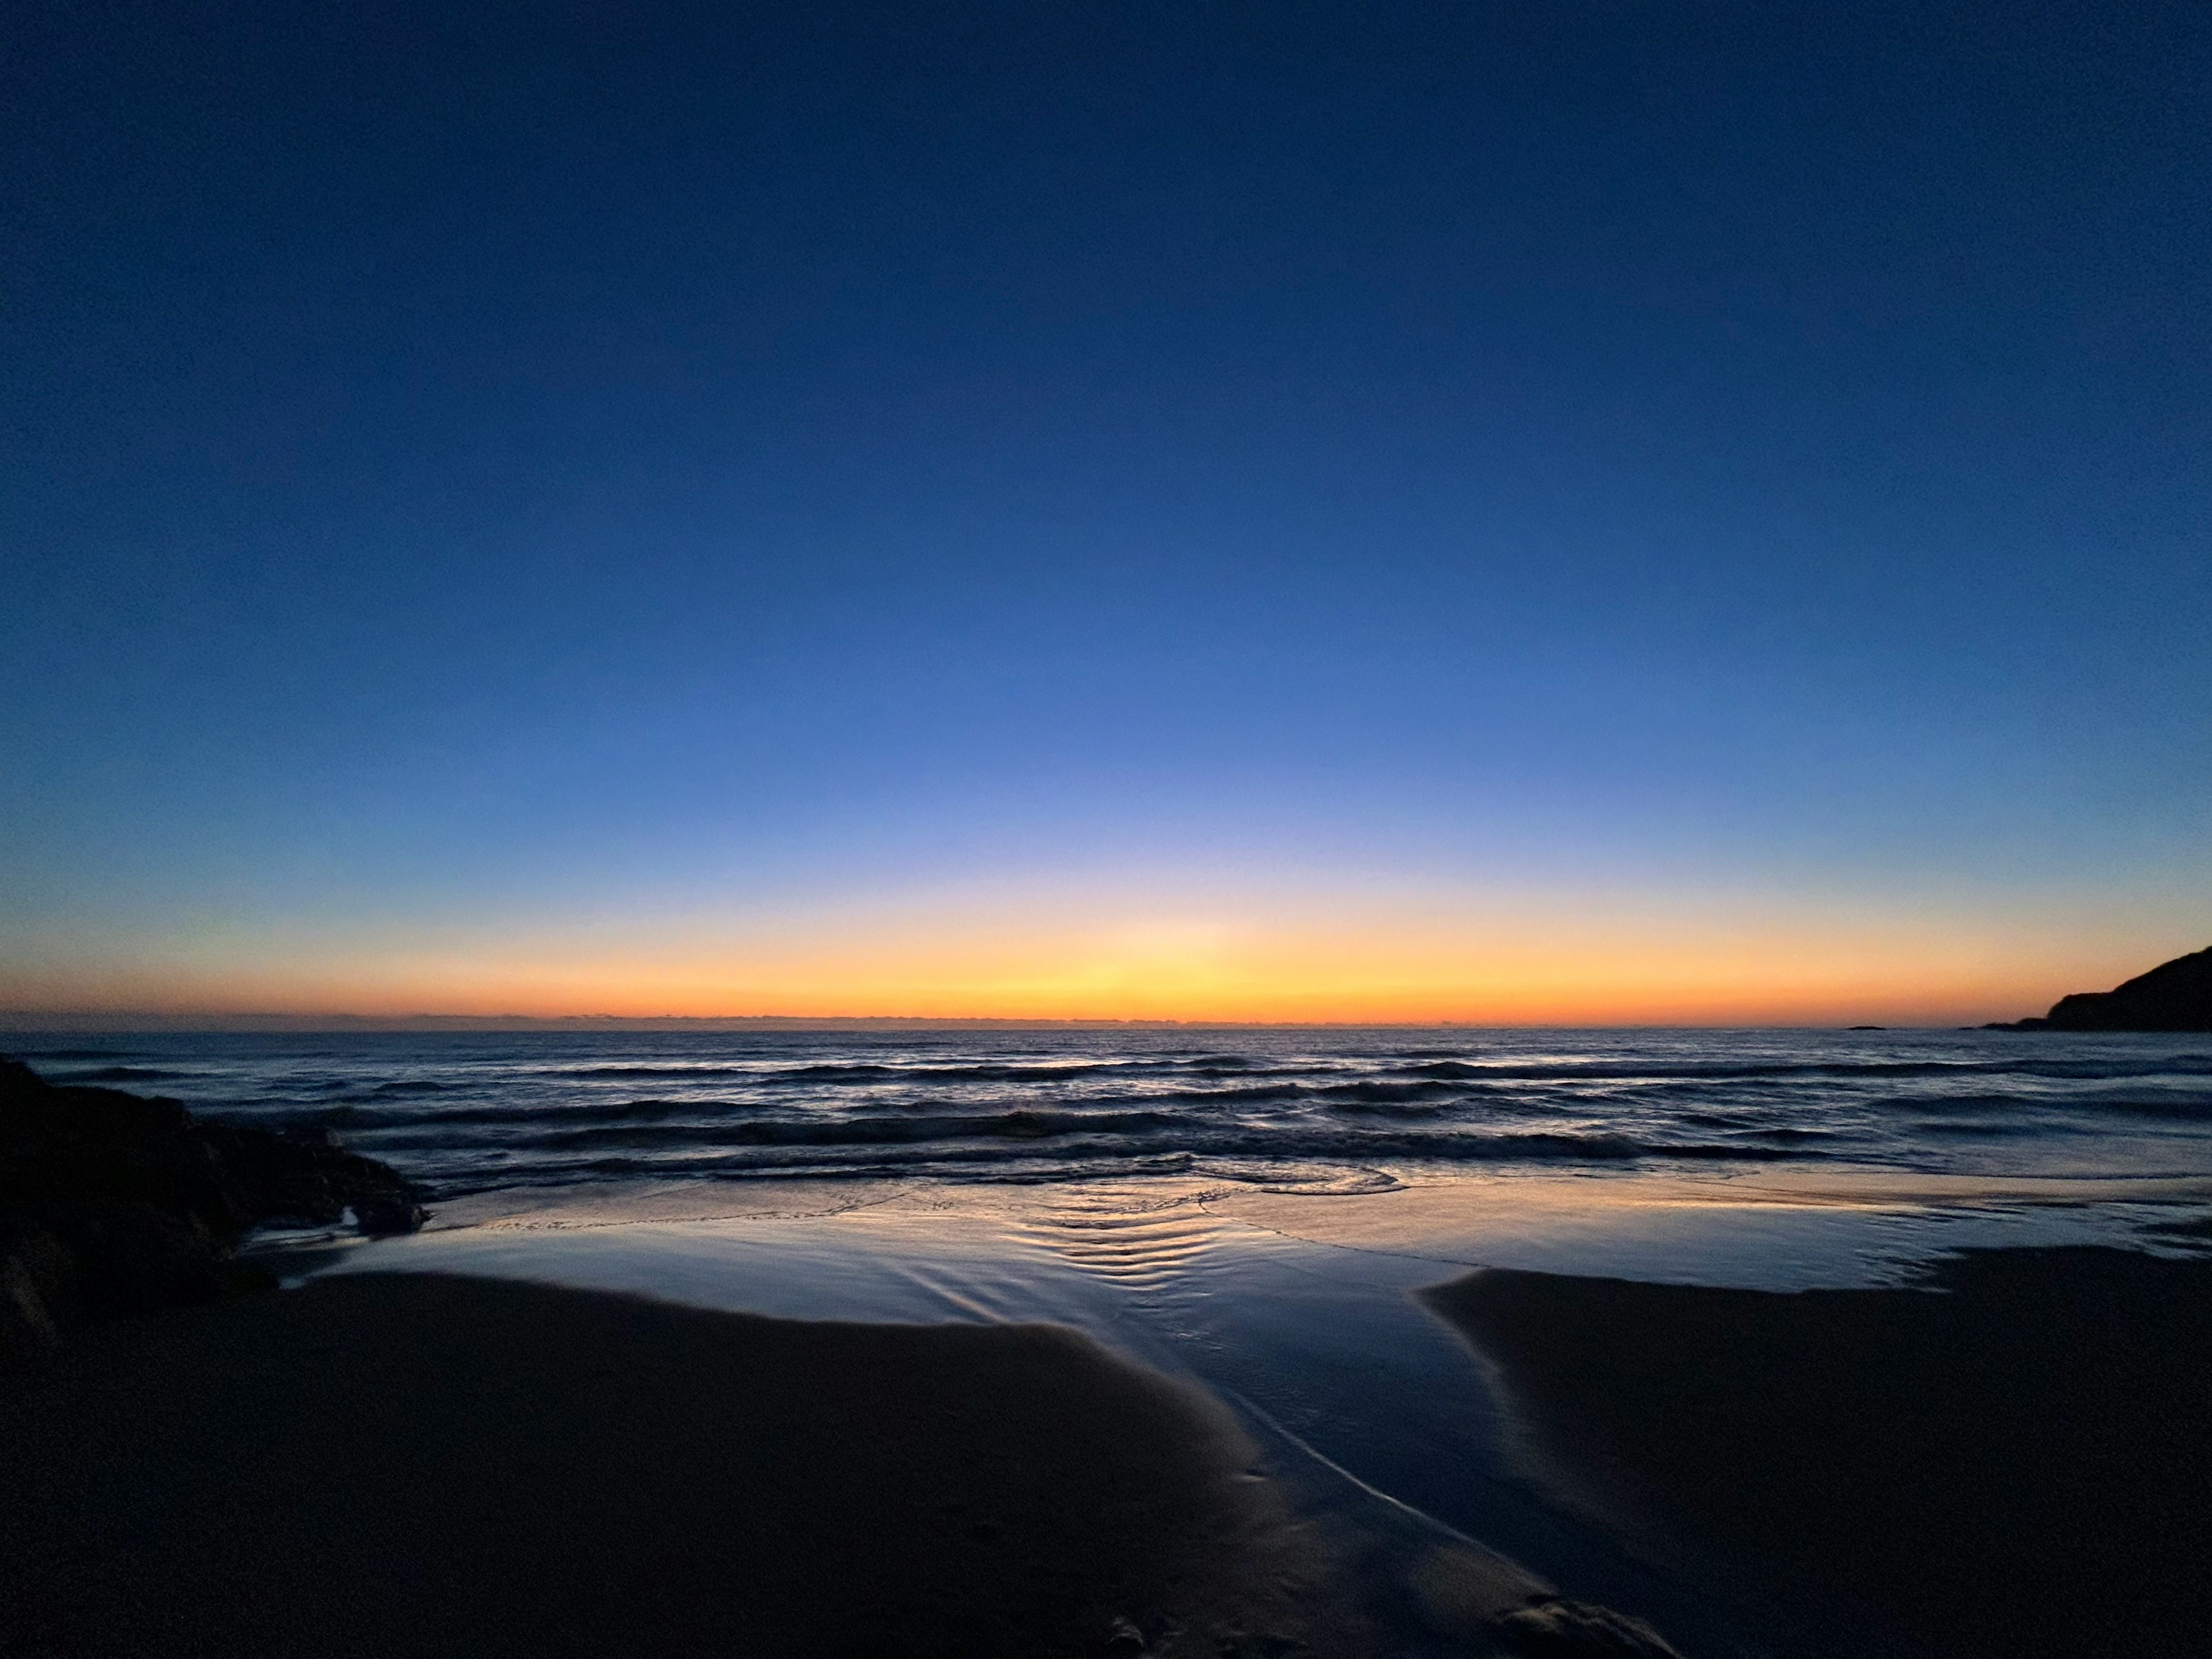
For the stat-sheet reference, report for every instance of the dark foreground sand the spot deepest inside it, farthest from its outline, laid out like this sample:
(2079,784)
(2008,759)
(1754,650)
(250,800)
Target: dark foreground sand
(2022,1466)
(416,1465)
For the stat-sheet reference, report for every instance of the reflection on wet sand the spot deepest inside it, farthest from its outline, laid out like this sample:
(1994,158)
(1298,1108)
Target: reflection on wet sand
(1299,1312)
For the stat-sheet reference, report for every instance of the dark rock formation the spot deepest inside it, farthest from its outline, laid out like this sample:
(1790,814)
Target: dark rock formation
(2175,996)
(114,1203)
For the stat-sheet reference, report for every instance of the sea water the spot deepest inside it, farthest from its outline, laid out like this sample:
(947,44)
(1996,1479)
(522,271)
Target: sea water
(1309,1108)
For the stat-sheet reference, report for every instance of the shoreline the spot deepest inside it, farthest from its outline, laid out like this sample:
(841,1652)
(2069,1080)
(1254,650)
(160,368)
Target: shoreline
(2003,1458)
(762,1416)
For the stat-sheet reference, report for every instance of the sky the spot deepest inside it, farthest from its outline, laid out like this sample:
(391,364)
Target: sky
(1555,511)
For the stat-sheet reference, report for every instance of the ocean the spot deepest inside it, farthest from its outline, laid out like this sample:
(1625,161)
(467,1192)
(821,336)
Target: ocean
(1308,1109)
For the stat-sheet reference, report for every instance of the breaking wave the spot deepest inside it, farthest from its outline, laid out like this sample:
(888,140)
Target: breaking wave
(1279,1106)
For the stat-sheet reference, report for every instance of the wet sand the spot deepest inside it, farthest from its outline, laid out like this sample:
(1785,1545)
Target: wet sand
(402,1457)
(1296,1310)
(411,1463)
(2017,1466)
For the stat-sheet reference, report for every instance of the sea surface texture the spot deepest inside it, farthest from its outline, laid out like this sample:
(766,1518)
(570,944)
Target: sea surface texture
(1307,1109)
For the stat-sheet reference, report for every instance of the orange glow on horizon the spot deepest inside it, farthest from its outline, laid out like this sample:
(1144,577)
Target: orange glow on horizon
(1518,971)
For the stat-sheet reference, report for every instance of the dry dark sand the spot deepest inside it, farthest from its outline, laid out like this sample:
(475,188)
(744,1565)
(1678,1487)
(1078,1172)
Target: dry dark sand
(414,1465)
(2021,1466)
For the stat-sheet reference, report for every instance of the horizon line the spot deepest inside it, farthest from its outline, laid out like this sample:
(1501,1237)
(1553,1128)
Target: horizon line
(125,1021)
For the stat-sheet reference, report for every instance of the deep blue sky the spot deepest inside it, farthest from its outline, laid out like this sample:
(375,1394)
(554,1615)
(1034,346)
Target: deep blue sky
(591,471)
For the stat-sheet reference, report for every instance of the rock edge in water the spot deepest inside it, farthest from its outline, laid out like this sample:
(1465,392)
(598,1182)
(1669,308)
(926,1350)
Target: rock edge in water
(114,1203)
(2175,996)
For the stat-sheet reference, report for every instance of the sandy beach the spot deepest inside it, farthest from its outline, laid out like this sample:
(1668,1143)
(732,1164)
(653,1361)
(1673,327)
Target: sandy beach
(2012,1459)
(2006,1457)
(416,1464)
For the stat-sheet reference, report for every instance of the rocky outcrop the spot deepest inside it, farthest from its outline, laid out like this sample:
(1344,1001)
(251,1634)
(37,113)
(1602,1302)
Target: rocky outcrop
(114,1203)
(2175,996)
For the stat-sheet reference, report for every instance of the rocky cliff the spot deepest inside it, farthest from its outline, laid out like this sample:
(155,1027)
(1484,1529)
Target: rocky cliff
(2175,996)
